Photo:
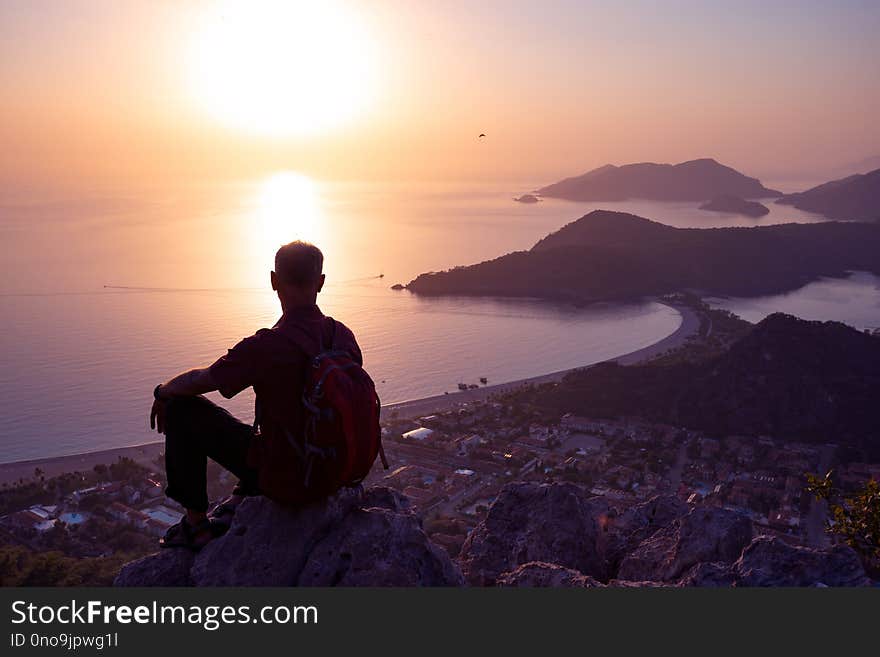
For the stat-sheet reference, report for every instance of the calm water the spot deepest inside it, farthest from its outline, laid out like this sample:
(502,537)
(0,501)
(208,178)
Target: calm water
(80,359)
(854,300)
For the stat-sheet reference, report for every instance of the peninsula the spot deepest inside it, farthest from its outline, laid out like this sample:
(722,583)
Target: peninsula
(614,256)
(855,198)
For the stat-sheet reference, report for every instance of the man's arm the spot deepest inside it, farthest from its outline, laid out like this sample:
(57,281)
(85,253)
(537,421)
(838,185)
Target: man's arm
(187,384)
(194,382)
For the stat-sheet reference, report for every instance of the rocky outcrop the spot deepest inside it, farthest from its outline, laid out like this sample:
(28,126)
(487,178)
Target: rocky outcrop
(769,561)
(559,524)
(351,539)
(534,535)
(705,534)
(560,535)
(537,574)
(165,568)
(638,523)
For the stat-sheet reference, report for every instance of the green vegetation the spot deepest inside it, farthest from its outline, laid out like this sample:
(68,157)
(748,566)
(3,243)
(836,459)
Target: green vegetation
(855,518)
(21,567)
(785,377)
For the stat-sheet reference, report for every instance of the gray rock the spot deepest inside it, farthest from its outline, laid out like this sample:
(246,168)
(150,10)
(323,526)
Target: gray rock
(626,584)
(268,544)
(769,561)
(385,498)
(353,538)
(555,523)
(537,574)
(706,534)
(169,567)
(710,575)
(628,529)
(378,547)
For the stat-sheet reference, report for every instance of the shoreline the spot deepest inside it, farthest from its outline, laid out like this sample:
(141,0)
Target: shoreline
(690,324)
(147,453)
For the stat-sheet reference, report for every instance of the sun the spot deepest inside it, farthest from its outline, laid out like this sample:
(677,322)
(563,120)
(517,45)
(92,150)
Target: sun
(288,208)
(284,67)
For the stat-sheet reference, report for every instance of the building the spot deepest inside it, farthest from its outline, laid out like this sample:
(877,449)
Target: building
(466,444)
(421,434)
(128,515)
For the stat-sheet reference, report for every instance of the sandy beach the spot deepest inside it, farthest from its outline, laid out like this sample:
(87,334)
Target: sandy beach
(148,452)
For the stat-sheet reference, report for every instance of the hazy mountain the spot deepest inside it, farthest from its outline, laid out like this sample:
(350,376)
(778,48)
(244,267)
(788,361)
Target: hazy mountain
(613,255)
(862,166)
(697,180)
(735,205)
(855,197)
(787,377)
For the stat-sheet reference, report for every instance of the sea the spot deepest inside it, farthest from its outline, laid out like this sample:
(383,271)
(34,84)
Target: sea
(103,295)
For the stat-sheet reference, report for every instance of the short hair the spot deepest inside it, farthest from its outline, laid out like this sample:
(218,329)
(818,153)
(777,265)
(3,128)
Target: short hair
(299,263)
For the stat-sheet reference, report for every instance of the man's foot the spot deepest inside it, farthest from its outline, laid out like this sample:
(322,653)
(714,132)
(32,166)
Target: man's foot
(191,536)
(222,514)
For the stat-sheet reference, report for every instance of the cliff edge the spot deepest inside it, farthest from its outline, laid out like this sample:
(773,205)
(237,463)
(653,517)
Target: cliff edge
(354,538)
(533,535)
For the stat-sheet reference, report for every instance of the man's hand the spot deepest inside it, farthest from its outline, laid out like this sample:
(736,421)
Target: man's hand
(157,415)
(194,382)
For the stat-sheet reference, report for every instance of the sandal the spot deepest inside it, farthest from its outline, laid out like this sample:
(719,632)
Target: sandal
(192,537)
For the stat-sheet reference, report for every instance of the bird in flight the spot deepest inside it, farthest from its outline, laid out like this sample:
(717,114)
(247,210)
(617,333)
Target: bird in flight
(482,134)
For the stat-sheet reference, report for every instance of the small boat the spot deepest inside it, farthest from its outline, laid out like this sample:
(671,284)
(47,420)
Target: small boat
(484,380)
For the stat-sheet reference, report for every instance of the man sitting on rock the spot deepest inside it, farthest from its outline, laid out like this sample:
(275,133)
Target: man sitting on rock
(276,363)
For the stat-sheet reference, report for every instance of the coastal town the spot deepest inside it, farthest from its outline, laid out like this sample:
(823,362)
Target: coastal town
(451,465)
(450,456)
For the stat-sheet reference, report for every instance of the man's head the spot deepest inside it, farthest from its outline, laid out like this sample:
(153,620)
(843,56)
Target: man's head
(298,273)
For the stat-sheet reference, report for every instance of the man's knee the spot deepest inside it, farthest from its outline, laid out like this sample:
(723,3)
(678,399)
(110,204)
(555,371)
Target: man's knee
(181,411)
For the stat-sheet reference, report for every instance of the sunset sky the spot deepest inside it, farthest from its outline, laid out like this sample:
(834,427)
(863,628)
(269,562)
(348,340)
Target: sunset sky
(99,93)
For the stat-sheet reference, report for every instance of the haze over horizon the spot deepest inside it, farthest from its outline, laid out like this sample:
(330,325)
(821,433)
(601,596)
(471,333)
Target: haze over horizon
(106,94)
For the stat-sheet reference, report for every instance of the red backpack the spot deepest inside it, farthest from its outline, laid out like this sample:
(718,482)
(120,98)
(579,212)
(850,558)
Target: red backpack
(341,437)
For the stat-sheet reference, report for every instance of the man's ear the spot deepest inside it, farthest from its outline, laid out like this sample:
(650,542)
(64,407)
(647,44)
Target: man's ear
(321,281)
(273,278)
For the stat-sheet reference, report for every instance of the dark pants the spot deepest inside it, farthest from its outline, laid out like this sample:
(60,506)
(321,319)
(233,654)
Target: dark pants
(196,430)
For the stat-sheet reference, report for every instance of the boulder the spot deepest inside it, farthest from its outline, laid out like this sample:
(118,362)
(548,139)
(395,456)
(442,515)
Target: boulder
(705,534)
(537,574)
(628,529)
(554,523)
(769,561)
(378,547)
(353,538)
(268,544)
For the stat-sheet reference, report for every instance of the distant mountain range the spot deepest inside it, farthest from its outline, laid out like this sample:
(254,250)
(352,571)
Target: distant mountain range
(855,197)
(613,256)
(787,377)
(696,180)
